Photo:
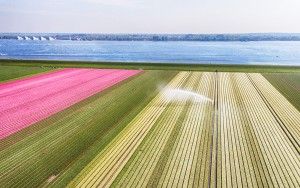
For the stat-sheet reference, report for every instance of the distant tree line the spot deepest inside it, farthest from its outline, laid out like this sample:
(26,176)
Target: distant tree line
(157,37)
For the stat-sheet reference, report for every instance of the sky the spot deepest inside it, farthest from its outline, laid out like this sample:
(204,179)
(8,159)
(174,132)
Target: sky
(150,16)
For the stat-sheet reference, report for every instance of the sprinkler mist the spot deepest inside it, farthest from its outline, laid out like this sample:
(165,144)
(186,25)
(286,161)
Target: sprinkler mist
(179,95)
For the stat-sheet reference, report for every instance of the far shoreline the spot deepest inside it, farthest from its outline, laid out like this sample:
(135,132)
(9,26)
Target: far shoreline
(208,67)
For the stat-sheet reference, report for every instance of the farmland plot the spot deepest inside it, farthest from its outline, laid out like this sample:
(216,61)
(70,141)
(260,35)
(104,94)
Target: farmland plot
(182,159)
(189,160)
(241,137)
(104,168)
(247,157)
(149,157)
(54,150)
(201,130)
(25,102)
(285,113)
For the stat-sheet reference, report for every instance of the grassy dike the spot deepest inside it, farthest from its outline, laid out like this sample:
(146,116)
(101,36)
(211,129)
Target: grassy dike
(153,66)
(56,149)
(8,73)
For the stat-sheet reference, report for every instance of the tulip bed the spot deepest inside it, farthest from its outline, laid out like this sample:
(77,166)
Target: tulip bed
(124,128)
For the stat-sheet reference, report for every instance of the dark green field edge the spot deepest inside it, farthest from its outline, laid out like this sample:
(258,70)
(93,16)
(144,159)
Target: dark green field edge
(63,144)
(288,84)
(8,73)
(209,67)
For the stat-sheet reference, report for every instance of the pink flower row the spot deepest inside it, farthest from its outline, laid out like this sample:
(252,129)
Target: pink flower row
(27,101)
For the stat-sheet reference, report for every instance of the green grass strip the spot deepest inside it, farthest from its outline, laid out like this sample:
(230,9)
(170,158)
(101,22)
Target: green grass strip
(209,67)
(8,73)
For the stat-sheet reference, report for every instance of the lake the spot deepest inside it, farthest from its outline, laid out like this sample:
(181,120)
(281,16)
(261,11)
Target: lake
(274,52)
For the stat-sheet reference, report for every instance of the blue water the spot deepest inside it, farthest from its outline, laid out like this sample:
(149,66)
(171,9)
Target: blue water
(279,53)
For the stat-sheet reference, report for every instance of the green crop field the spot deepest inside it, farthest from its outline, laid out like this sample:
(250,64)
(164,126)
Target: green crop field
(234,139)
(163,128)
(288,84)
(62,139)
(13,72)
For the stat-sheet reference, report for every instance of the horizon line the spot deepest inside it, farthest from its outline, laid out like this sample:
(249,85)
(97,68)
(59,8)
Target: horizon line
(242,33)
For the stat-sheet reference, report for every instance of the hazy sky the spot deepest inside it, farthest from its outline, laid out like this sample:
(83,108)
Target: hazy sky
(150,16)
